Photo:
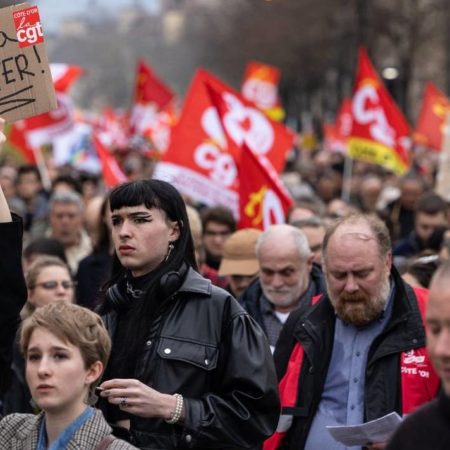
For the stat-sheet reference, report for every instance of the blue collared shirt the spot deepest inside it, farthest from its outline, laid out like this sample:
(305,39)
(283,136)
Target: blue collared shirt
(342,401)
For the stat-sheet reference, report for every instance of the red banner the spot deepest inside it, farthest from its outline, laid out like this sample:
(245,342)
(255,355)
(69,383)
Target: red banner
(434,109)
(260,86)
(380,133)
(263,200)
(200,161)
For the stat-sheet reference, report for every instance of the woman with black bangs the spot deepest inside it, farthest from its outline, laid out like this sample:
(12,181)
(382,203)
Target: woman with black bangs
(189,368)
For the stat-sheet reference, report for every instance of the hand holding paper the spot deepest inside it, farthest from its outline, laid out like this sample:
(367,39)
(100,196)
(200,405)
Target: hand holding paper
(377,431)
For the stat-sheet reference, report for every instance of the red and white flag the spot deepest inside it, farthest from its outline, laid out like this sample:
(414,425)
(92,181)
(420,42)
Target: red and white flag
(260,86)
(151,95)
(206,168)
(380,133)
(28,135)
(65,75)
(263,200)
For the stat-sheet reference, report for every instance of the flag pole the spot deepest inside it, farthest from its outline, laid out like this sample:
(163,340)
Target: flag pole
(43,171)
(347,181)
(443,175)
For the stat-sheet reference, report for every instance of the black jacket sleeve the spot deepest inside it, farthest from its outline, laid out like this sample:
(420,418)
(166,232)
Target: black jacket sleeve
(246,409)
(13,292)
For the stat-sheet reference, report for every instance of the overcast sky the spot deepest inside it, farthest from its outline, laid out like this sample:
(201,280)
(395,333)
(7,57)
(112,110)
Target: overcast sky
(52,11)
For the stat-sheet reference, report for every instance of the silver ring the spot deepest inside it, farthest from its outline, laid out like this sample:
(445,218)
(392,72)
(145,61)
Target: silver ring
(123,402)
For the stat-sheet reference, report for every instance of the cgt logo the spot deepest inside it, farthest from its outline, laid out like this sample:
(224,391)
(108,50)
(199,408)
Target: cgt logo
(28,27)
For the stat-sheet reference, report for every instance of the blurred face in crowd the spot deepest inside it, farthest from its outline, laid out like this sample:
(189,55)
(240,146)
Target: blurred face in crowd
(284,275)
(53,284)
(426,223)
(357,276)
(56,374)
(410,191)
(239,283)
(28,185)
(438,329)
(215,235)
(66,221)
(141,237)
(315,236)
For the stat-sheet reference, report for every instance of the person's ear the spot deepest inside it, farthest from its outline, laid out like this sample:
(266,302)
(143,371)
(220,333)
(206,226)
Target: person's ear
(174,231)
(94,372)
(309,261)
(389,261)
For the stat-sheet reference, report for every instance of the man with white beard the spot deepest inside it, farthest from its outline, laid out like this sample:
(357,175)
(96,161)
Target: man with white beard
(287,282)
(359,352)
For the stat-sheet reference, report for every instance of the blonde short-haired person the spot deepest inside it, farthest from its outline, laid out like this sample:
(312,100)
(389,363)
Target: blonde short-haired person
(66,348)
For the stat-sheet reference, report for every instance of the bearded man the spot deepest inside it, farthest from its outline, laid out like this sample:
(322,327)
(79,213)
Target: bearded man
(359,352)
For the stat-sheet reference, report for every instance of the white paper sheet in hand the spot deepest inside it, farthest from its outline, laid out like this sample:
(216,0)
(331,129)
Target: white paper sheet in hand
(378,430)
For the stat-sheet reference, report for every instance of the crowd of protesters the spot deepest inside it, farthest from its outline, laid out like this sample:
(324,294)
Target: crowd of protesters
(198,321)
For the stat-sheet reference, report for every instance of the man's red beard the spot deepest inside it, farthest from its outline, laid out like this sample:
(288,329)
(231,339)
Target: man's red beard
(358,308)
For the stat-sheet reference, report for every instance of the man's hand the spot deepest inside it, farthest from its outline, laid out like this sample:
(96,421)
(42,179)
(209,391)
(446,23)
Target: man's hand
(378,446)
(137,398)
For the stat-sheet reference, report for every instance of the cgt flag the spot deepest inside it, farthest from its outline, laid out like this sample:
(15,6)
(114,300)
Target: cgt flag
(380,133)
(263,200)
(260,86)
(211,142)
(435,107)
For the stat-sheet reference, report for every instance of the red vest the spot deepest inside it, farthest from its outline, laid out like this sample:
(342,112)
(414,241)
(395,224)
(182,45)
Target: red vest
(419,381)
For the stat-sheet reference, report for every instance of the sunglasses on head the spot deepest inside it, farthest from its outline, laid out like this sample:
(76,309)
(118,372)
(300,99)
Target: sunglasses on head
(54,284)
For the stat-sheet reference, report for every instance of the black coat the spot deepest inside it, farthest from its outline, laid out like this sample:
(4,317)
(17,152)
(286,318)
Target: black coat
(383,394)
(208,349)
(13,292)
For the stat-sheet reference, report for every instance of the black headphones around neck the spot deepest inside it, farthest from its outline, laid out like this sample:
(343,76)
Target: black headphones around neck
(169,283)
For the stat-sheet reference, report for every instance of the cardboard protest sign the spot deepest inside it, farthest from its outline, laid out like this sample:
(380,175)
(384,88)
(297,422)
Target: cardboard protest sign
(26,86)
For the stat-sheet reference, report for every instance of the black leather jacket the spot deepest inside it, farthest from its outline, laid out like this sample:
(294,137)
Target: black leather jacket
(13,292)
(208,349)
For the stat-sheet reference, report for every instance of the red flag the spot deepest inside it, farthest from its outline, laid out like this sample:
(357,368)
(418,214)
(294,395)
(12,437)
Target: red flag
(263,200)
(112,173)
(149,88)
(206,168)
(65,75)
(380,133)
(260,86)
(434,109)
(150,96)
(336,135)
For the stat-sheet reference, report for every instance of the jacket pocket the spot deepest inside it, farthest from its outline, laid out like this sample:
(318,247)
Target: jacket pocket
(203,356)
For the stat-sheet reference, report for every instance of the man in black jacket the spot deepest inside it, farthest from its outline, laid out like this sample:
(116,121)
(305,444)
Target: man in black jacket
(288,279)
(189,367)
(358,353)
(12,283)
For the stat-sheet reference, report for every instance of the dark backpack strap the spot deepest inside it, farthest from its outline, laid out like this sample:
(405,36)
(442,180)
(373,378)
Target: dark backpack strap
(105,442)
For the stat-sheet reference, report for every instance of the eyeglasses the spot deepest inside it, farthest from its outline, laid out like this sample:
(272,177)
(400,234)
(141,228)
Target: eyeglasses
(49,285)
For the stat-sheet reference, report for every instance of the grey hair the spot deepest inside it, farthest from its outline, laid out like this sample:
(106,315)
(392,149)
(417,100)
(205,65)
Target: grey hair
(297,236)
(67,198)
